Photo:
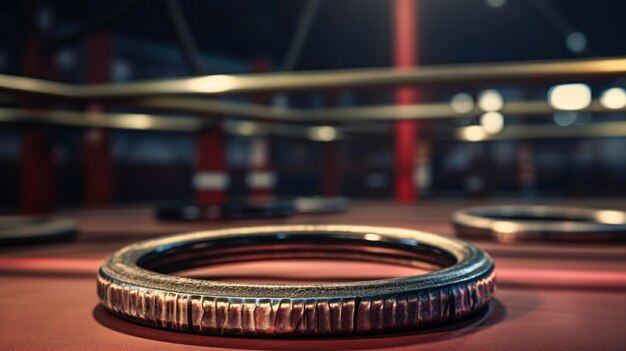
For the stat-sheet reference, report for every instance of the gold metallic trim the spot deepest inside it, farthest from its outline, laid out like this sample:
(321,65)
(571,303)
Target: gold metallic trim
(313,132)
(101,120)
(292,81)
(138,121)
(346,114)
(544,131)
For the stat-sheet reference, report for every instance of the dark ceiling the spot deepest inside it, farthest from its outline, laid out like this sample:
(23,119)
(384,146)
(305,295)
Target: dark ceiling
(357,33)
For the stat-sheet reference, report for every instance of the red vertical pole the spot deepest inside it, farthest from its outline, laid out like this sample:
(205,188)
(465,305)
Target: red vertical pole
(38,171)
(97,157)
(405,131)
(261,178)
(211,179)
(38,178)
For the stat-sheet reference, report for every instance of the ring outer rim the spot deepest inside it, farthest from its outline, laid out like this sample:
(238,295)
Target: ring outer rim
(458,291)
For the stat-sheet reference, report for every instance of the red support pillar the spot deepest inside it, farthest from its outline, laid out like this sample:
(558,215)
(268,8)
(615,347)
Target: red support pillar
(261,179)
(97,156)
(405,131)
(38,173)
(211,179)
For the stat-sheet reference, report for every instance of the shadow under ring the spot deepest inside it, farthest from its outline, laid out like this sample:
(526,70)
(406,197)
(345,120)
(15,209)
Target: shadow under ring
(513,223)
(134,284)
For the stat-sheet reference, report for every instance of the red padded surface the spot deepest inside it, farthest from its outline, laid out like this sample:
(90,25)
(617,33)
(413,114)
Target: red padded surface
(550,297)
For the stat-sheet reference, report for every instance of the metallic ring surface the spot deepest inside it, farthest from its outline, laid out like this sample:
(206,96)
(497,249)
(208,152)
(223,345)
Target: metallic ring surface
(133,284)
(514,223)
(19,230)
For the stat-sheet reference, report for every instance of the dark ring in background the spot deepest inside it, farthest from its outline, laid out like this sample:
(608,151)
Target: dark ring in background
(319,204)
(232,209)
(241,209)
(133,282)
(22,230)
(512,223)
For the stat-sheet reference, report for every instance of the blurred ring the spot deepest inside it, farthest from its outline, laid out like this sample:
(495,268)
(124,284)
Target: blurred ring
(19,230)
(321,204)
(133,282)
(514,223)
(233,209)
(241,208)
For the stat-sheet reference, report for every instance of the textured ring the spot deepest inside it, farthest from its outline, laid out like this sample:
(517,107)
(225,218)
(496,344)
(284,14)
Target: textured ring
(540,223)
(133,282)
(18,230)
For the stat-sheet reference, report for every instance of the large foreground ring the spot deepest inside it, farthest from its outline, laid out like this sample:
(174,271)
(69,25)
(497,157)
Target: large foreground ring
(133,284)
(540,223)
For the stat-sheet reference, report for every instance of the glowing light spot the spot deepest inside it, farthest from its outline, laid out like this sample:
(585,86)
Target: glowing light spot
(121,70)
(576,42)
(490,100)
(505,227)
(614,98)
(211,84)
(324,133)
(472,133)
(492,122)
(570,97)
(245,128)
(65,58)
(261,180)
(565,119)
(611,217)
(373,237)
(138,122)
(462,103)
(504,231)
(496,3)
